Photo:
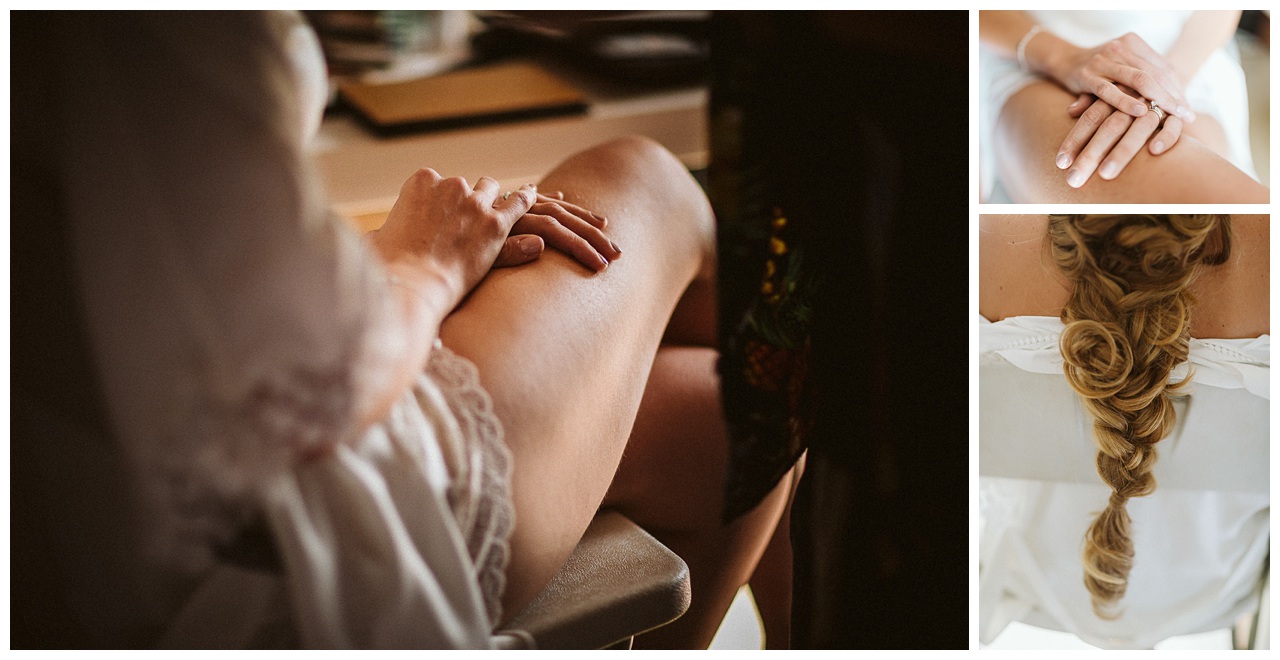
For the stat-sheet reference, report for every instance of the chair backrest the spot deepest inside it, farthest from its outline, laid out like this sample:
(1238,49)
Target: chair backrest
(1032,426)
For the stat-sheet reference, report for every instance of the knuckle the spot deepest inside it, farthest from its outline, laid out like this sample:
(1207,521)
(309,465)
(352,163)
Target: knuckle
(1141,79)
(494,224)
(1117,122)
(421,178)
(1097,113)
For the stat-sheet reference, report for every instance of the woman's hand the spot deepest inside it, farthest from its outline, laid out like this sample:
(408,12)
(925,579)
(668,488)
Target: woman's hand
(1100,71)
(449,231)
(1110,138)
(455,233)
(564,226)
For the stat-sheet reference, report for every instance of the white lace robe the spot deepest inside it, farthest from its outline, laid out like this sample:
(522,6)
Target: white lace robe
(234,323)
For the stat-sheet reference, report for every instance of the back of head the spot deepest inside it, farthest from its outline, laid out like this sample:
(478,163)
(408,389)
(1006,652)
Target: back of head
(1127,325)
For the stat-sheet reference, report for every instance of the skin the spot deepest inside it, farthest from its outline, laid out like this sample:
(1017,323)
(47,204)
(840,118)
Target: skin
(1032,126)
(585,365)
(1108,129)
(1016,277)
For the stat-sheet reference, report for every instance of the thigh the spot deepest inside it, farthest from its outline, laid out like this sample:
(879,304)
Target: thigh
(565,353)
(1033,124)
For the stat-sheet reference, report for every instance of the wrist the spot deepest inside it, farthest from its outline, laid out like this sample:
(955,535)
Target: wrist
(1184,69)
(1045,54)
(424,289)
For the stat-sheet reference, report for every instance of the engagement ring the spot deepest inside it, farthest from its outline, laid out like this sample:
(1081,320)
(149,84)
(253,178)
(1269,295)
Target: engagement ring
(1160,114)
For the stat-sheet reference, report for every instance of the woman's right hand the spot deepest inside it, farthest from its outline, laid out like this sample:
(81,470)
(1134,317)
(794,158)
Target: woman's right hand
(566,227)
(1127,61)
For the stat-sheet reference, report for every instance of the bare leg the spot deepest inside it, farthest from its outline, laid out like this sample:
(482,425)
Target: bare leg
(1034,122)
(671,482)
(771,581)
(566,354)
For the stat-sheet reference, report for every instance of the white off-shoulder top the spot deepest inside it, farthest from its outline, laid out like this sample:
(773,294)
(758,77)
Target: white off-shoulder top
(1201,540)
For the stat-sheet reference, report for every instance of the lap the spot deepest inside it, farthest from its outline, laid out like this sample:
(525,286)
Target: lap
(565,353)
(1033,124)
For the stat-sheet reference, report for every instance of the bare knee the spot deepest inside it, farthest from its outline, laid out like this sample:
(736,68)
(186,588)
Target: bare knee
(641,171)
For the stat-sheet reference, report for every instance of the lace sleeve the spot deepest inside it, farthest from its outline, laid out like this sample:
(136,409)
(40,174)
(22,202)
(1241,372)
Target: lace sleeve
(235,322)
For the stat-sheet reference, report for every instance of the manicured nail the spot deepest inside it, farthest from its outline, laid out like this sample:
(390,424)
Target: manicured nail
(603,220)
(529,246)
(1064,161)
(603,262)
(1108,171)
(1157,147)
(1075,178)
(1139,109)
(1185,113)
(615,247)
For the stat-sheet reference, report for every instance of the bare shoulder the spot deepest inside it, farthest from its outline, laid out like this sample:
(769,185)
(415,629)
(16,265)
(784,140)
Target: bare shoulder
(1016,276)
(1234,300)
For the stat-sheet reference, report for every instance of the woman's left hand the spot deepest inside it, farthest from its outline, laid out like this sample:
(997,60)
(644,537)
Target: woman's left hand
(1106,140)
(564,226)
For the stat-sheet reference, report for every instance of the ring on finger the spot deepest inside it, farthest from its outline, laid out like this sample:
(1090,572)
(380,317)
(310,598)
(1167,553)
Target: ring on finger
(1160,114)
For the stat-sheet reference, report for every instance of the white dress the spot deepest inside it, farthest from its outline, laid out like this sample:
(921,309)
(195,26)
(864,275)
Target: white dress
(235,322)
(1200,541)
(1217,90)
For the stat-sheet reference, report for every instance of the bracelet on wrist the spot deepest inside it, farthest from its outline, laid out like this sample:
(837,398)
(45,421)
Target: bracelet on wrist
(1022,47)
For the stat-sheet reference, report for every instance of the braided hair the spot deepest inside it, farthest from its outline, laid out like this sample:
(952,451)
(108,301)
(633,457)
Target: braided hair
(1127,325)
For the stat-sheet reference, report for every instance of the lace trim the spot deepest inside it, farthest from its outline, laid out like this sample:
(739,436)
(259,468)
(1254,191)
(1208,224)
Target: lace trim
(481,499)
(202,484)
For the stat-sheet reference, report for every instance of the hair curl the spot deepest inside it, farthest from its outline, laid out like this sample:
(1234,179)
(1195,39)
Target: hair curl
(1127,325)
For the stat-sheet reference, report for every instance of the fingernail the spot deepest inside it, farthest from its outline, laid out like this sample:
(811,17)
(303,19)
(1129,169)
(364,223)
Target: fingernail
(615,247)
(603,262)
(531,186)
(1185,113)
(1108,171)
(1157,147)
(1073,104)
(1075,178)
(529,246)
(599,217)
(1064,161)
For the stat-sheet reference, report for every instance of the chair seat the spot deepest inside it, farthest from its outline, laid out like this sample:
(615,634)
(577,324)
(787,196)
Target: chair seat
(619,582)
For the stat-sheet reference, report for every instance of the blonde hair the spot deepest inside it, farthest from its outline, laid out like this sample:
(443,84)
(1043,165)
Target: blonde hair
(1127,325)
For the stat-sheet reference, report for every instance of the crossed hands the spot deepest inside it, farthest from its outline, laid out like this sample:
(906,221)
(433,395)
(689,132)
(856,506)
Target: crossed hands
(458,232)
(1116,84)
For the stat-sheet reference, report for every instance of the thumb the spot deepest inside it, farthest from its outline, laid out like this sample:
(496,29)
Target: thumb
(519,250)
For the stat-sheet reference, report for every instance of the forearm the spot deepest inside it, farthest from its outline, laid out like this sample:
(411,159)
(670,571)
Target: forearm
(1001,32)
(1204,33)
(419,302)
